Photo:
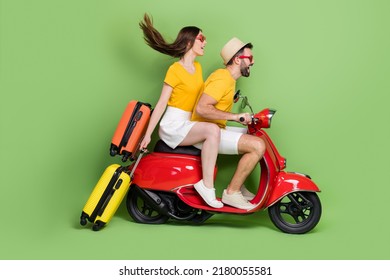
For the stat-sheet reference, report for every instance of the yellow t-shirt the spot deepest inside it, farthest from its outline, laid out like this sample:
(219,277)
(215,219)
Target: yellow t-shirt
(221,86)
(186,86)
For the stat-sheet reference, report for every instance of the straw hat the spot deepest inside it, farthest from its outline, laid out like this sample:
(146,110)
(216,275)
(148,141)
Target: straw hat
(231,48)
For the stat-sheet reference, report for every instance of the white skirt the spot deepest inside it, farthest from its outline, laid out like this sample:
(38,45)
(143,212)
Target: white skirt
(174,126)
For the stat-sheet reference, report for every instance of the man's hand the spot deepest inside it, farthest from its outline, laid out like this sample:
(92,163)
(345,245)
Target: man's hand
(244,118)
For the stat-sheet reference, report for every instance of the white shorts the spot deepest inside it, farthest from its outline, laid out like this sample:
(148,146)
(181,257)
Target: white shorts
(229,140)
(174,126)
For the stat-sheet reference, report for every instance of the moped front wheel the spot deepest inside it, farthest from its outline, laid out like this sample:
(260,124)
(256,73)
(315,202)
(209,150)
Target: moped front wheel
(141,211)
(296,213)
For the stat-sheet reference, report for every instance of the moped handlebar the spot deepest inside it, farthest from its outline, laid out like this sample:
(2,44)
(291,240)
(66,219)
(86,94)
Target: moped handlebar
(260,120)
(253,119)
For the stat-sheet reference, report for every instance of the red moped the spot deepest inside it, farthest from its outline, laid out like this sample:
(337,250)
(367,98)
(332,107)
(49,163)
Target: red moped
(162,186)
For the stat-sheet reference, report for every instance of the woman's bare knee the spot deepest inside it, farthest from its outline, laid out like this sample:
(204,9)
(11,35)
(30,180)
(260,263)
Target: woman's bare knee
(212,131)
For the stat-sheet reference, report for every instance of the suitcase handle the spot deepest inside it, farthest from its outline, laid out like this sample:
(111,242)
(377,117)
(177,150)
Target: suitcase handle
(141,153)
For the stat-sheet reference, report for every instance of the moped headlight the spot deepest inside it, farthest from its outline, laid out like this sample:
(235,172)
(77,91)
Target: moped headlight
(271,113)
(265,117)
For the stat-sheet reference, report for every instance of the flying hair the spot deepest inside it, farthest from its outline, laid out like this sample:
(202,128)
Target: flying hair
(183,42)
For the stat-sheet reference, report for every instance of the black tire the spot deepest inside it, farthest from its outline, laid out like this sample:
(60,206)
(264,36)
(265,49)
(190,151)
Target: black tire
(141,211)
(296,213)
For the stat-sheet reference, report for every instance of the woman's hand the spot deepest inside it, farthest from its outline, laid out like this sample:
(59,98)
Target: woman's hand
(145,142)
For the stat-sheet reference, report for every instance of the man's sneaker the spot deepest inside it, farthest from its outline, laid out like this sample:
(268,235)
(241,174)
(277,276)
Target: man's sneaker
(246,194)
(236,200)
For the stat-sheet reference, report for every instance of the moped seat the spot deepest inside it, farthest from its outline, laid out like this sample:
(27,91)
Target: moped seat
(162,147)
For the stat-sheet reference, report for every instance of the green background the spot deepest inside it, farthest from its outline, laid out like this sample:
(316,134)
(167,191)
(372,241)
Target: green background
(68,68)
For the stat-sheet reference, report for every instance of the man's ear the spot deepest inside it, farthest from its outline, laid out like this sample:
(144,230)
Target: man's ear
(236,60)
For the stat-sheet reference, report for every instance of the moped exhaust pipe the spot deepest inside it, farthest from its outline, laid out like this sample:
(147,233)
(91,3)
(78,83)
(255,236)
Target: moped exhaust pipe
(158,204)
(153,200)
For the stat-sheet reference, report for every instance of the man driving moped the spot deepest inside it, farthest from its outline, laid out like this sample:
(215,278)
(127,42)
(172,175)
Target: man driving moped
(215,104)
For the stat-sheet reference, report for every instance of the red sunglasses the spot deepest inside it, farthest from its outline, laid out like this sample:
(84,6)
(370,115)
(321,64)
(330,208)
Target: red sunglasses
(250,57)
(201,38)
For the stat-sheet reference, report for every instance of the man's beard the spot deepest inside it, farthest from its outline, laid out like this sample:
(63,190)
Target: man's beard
(244,70)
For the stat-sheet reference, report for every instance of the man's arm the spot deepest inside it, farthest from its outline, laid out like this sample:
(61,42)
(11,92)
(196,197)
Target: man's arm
(206,109)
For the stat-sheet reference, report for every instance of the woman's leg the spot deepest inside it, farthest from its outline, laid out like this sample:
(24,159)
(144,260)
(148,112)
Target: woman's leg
(209,134)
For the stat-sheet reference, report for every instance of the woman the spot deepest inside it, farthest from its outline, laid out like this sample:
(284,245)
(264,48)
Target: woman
(182,84)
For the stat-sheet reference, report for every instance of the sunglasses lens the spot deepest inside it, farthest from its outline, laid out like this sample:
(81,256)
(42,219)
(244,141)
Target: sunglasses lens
(201,38)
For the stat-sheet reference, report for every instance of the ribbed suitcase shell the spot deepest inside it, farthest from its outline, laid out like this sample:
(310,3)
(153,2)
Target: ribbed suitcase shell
(106,197)
(130,130)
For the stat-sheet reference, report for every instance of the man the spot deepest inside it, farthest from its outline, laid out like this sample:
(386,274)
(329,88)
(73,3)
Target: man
(215,105)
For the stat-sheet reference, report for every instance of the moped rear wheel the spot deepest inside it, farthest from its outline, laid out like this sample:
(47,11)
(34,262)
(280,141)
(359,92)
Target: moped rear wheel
(141,211)
(296,213)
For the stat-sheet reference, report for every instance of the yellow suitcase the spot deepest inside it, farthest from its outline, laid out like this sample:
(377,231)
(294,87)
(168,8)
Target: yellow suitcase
(106,196)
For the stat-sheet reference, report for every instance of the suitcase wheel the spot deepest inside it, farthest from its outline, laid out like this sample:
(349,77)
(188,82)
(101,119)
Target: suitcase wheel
(83,219)
(98,225)
(125,157)
(113,150)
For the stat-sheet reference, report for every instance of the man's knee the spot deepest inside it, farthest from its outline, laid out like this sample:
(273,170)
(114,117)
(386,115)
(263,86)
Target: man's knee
(259,146)
(252,144)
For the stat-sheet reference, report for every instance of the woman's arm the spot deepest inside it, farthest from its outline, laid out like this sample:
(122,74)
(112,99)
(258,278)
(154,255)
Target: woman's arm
(158,111)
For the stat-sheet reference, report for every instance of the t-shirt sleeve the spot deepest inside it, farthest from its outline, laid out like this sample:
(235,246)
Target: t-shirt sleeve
(215,88)
(171,78)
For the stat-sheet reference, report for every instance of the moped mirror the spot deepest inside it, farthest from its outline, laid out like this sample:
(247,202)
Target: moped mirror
(245,103)
(236,96)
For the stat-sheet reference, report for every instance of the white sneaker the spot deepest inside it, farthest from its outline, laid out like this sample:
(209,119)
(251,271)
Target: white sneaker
(246,194)
(208,195)
(237,200)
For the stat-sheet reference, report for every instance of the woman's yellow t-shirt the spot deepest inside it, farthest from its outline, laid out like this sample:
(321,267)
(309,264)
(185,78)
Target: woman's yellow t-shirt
(186,86)
(221,86)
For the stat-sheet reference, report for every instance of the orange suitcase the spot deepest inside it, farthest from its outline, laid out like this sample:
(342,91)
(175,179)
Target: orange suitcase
(130,130)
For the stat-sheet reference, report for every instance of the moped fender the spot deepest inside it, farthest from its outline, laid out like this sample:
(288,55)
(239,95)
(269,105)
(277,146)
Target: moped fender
(289,182)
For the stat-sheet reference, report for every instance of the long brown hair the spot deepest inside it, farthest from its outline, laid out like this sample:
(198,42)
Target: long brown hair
(184,41)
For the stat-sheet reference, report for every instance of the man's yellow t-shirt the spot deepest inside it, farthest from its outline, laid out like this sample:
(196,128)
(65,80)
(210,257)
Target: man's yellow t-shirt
(221,86)
(186,86)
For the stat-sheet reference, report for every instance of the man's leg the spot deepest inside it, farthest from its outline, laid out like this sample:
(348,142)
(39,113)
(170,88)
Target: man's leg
(252,149)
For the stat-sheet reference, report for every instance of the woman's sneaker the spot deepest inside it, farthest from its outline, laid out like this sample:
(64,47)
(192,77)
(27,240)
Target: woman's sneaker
(208,195)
